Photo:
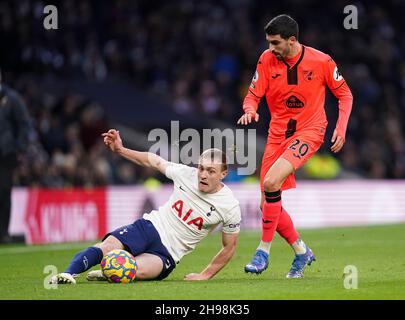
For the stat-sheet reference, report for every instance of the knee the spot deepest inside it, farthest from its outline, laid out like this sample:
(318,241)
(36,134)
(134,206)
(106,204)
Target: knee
(108,245)
(272,184)
(103,247)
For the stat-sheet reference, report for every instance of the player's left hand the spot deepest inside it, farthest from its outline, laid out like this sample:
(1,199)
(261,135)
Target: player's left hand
(338,142)
(195,277)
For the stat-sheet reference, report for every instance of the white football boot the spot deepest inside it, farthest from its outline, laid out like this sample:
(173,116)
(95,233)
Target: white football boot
(96,275)
(63,278)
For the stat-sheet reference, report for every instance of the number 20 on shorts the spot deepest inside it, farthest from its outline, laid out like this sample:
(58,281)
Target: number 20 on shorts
(301,149)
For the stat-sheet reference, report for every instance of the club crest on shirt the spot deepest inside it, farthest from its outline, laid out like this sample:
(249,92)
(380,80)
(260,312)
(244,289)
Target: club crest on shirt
(212,209)
(308,74)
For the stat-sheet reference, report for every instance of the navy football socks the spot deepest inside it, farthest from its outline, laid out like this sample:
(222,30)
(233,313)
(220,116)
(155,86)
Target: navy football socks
(84,260)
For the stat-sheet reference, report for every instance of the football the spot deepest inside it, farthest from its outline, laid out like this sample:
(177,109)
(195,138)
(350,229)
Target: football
(119,266)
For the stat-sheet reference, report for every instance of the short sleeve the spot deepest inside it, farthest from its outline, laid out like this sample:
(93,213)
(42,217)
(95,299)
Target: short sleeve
(333,77)
(176,171)
(232,223)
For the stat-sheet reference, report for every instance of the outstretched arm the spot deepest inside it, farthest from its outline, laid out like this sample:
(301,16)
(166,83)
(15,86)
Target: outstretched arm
(220,260)
(113,140)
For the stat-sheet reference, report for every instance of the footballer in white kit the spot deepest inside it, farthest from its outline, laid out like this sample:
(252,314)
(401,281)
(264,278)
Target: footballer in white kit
(158,241)
(190,214)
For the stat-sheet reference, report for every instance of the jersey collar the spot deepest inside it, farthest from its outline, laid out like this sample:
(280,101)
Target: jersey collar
(299,59)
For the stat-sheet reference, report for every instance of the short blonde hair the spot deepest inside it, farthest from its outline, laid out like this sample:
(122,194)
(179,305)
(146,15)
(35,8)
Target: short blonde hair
(216,156)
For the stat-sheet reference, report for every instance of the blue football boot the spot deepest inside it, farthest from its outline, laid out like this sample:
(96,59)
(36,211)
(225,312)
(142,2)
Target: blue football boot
(299,264)
(259,263)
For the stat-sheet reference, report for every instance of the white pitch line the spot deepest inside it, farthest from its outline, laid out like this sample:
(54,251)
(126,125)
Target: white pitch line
(46,248)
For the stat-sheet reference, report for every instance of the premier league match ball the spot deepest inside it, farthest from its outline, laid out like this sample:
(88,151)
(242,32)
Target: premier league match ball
(119,266)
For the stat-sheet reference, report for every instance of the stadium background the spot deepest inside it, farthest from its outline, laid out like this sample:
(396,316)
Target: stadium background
(136,65)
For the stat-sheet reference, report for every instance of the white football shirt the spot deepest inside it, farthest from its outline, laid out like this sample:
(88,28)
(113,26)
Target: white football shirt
(190,215)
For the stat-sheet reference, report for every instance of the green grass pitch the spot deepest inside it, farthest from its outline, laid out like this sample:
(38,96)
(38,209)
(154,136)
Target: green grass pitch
(377,252)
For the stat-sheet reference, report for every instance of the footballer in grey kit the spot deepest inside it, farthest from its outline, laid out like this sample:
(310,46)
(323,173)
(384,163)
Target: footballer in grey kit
(159,240)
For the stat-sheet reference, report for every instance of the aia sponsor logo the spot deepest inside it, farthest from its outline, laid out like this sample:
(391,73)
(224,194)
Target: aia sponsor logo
(196,221)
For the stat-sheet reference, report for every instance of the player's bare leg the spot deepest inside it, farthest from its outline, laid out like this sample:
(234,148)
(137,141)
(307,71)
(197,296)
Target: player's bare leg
(150,266)
(109,244)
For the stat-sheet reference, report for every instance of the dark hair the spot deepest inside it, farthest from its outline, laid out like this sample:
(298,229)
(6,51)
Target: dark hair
(283,25)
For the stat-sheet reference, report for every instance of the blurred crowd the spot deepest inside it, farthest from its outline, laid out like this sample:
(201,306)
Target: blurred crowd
(200,56)
(65,147)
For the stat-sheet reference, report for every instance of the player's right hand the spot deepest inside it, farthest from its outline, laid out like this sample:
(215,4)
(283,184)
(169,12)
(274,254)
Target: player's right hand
(113,140)
(248,117)
(338,142)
